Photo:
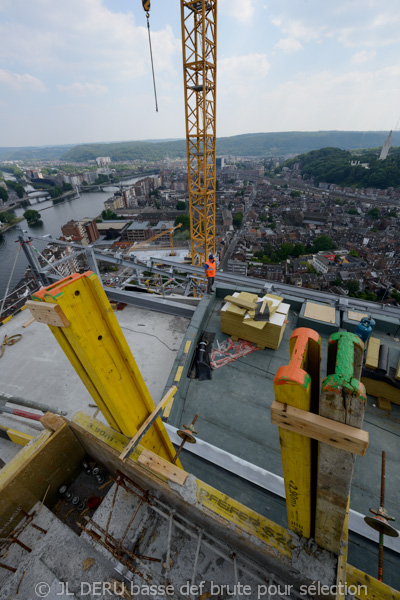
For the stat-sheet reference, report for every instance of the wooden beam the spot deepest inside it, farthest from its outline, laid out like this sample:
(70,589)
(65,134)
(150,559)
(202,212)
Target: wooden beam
(320,428)
(242,303)
(15,436)
(369,588)
(162,467)
(372,357)
(147,424)
(50,314)
(343,399)
(97,349)
(342,558)
(295,386)
(29,322)
(52,422)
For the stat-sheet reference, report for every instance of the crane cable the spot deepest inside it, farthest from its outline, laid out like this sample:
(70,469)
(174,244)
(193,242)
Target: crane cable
(146,6)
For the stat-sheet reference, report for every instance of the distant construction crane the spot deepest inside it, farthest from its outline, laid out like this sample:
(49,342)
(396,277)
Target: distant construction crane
(386,147)
(170,230)
(199,48)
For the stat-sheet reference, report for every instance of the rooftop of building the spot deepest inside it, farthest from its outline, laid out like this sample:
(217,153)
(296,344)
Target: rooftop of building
(238,449)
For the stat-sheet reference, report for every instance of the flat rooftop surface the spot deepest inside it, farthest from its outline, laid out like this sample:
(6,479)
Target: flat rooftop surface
(37,369)
(233,411)
(234,414)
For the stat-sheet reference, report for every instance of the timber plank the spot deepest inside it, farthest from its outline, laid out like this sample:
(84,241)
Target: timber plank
(369,588)
(162,467)
(50,314)
(320,428)
(241,302)
(148,423)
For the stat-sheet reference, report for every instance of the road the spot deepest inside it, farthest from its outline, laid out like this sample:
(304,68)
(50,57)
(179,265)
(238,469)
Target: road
(236,237)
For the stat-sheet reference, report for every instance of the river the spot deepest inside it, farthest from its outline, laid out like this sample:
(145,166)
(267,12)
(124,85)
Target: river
(53,217)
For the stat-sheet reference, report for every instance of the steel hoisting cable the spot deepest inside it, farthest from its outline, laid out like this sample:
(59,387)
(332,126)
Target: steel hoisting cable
(146,6)
(9,281)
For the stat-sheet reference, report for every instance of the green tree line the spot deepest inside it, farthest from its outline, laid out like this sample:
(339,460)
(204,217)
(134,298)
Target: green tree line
(332,165)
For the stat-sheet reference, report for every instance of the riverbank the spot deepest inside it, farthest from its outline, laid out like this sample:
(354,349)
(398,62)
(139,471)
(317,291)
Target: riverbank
(9,226)
(72,208)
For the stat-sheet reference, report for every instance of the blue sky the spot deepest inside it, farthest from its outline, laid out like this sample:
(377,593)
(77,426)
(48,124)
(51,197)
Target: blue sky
(78,71)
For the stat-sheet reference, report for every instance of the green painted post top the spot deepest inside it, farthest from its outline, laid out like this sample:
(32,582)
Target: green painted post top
(345,352)
(337,383)
(345,335)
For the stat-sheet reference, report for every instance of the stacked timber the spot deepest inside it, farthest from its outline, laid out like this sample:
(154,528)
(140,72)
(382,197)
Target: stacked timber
(258,320)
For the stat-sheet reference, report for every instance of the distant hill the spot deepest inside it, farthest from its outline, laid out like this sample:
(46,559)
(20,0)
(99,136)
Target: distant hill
(34,152)
(332,165)
(250,144)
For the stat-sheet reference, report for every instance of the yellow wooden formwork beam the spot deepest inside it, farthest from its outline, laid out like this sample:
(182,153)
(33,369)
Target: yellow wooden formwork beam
(15,436)
(367,587)
(342,558)
(18,462)
(98,351)
(297,385)
(233,514)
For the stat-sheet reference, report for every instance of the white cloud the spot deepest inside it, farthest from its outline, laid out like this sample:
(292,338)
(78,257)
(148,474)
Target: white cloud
(299,30)
(311,102)
(82,37)
(83,89)
(362,57)
(289,45)
(241,10)
(18,82)
(239,74)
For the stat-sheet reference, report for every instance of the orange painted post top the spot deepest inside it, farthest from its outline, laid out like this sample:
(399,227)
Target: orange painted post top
(295,371)
(55,289)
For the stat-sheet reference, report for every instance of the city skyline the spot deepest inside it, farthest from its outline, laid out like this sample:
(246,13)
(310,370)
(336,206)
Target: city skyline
(80,72)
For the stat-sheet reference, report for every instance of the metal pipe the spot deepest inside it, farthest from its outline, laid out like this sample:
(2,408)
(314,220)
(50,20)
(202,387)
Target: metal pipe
(30,404)
(235,574)
(3,566)
(171,518)
(20,413)
(184,439)
(196,560)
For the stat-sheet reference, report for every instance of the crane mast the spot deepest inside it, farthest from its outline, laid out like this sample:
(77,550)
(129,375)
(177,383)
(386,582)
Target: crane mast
(199,46)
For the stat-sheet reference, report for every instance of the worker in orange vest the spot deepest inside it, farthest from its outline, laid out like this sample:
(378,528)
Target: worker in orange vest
(210,268)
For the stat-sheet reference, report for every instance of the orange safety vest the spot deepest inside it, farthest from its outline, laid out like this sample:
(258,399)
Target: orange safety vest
(212,268)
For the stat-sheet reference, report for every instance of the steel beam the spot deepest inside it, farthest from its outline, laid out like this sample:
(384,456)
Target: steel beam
(150,302)
(191,271)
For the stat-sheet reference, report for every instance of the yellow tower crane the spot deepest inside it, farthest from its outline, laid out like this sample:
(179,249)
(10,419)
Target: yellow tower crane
(199,49)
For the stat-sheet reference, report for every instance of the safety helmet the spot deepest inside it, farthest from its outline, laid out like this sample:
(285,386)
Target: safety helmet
(211,256)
